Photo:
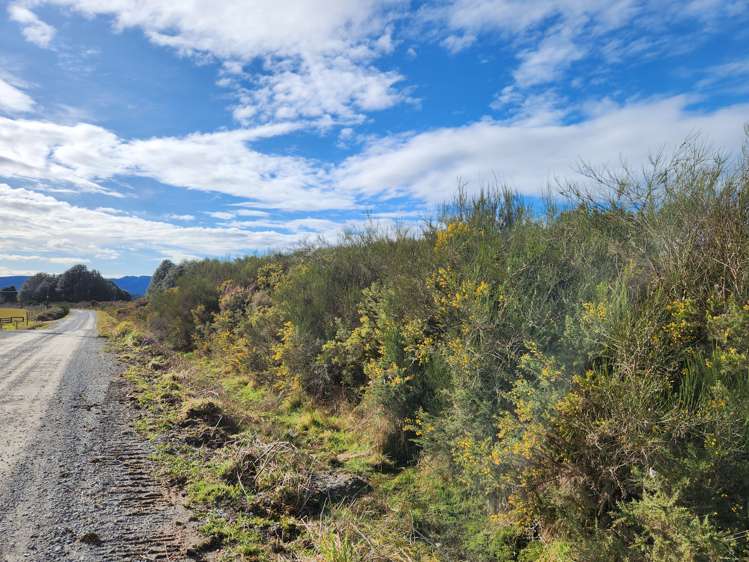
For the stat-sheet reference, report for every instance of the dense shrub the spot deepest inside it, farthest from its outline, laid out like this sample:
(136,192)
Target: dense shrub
(563,385)
(52,313)
(165,277)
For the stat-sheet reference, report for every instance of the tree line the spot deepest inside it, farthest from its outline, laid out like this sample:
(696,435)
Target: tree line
(9,295)
(77,284)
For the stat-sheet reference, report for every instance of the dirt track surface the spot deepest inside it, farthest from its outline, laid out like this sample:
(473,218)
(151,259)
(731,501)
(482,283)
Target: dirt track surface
(75,479)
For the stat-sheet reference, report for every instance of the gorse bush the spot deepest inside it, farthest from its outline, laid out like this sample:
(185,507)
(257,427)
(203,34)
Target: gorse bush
(547,386)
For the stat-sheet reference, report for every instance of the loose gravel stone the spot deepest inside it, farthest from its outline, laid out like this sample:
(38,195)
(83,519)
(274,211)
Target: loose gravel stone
(75,480)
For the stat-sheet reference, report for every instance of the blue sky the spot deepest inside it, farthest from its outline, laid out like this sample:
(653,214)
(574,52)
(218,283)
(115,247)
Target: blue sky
(135,130)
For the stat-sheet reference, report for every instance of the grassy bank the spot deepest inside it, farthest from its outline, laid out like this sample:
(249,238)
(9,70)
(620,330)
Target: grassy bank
(269,477)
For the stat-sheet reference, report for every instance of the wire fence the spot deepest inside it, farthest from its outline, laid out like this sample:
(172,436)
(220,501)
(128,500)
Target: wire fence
(14,316)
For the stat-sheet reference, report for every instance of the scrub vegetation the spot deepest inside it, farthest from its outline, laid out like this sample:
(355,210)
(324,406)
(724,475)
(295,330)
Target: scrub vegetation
(509,384)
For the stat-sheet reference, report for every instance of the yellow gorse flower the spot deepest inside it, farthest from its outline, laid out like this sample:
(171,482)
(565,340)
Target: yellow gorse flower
(593,312)
(453,230)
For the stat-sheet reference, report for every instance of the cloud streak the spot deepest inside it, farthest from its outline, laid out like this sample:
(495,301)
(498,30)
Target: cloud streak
(38,225)
(85,156)
(530,157)
(34,30)
(549,37)
(13,99)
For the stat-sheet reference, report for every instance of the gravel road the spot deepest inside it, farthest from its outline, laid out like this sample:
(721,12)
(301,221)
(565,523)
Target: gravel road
(75,480)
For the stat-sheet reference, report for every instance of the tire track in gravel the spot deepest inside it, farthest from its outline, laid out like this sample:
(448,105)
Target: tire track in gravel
(75,479)
(19,363)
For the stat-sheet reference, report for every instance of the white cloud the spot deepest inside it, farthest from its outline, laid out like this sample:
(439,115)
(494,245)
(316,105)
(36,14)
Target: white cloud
(84,156)
(315,230)
(38,224)
(5,271)
(532,110)
(528,157)
(37,150)
(333,89)
(34,30)
(251,213)
(51,259)
(457,43)
(12,98)
(223,162)
(242,30)
(708,10)
(221,215)
(731,76)
(318,55)
(519,16)
(403,215)
(234,213)
(733,68)
(180,218)
(548,60)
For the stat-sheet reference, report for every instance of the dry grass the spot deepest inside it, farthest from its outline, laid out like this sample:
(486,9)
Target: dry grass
(348,534)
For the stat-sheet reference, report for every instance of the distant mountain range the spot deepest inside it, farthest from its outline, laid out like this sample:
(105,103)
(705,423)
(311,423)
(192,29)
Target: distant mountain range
(136,285)
(15,281)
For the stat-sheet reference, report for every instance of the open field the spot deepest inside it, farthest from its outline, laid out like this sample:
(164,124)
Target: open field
(13,318)
(36,316)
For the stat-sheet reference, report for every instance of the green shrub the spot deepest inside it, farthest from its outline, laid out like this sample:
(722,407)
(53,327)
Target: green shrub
(568,385)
